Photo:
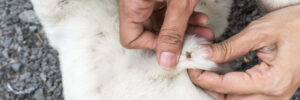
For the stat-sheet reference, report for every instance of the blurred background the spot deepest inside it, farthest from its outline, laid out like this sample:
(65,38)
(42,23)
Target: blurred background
(29,67)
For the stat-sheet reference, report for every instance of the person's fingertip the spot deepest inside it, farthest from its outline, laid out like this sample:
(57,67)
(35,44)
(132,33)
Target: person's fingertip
(208,51)
(194,73)
(204,21)
(168,60)
(199,18)
(202,32)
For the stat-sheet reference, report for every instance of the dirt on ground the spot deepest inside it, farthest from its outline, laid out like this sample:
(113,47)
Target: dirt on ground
(29,67)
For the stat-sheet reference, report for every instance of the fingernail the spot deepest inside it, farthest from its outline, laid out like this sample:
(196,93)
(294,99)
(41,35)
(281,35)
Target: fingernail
(167,60)
(207,50)
(205,22)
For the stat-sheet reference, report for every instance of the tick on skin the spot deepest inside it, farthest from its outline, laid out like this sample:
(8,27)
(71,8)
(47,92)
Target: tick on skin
(188,55)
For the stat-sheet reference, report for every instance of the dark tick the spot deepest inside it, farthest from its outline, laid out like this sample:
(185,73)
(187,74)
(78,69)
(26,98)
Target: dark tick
(188,54)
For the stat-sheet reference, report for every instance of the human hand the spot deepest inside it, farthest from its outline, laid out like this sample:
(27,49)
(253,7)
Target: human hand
(136,27)
(276,39)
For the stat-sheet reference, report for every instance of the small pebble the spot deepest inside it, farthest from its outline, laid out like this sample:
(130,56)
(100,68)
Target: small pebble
(29,16)
(39,95)
(33,28)
(43,77)
(16,67)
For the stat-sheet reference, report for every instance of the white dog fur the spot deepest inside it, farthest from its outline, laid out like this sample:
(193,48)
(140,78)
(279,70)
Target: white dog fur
(96,67)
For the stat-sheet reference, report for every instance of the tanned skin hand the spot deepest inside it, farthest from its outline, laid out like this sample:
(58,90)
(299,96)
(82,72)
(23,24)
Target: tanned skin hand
(276,39)
(136,27)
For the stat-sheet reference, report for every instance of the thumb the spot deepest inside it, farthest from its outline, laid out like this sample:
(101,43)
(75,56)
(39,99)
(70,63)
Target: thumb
(172,32)
(234,47)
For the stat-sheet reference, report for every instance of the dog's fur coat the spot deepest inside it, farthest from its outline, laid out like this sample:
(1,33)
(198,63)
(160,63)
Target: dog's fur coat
(96,67)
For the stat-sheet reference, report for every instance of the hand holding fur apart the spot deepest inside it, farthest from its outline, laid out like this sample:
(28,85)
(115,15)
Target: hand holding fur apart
(276,38)
(136,26)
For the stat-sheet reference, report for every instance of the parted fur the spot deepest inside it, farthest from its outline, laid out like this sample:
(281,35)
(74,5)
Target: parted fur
(96,67)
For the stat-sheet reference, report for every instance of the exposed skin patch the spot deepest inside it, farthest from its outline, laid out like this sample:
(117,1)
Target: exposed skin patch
(188,55)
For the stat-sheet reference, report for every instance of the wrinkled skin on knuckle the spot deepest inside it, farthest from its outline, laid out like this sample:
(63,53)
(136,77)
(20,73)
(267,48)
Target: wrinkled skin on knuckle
(260,29)
(170,37)
(226,49)
(125,44)
(263,32)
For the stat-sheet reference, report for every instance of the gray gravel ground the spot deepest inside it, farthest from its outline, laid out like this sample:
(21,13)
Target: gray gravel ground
(29,68)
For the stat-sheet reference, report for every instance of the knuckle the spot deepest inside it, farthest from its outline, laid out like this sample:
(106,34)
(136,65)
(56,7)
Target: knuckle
(195,79)
(126,44)
(261,29)
(263,34)
(170,37)
(225,50)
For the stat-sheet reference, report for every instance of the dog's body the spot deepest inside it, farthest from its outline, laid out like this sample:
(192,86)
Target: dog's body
(96,67)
